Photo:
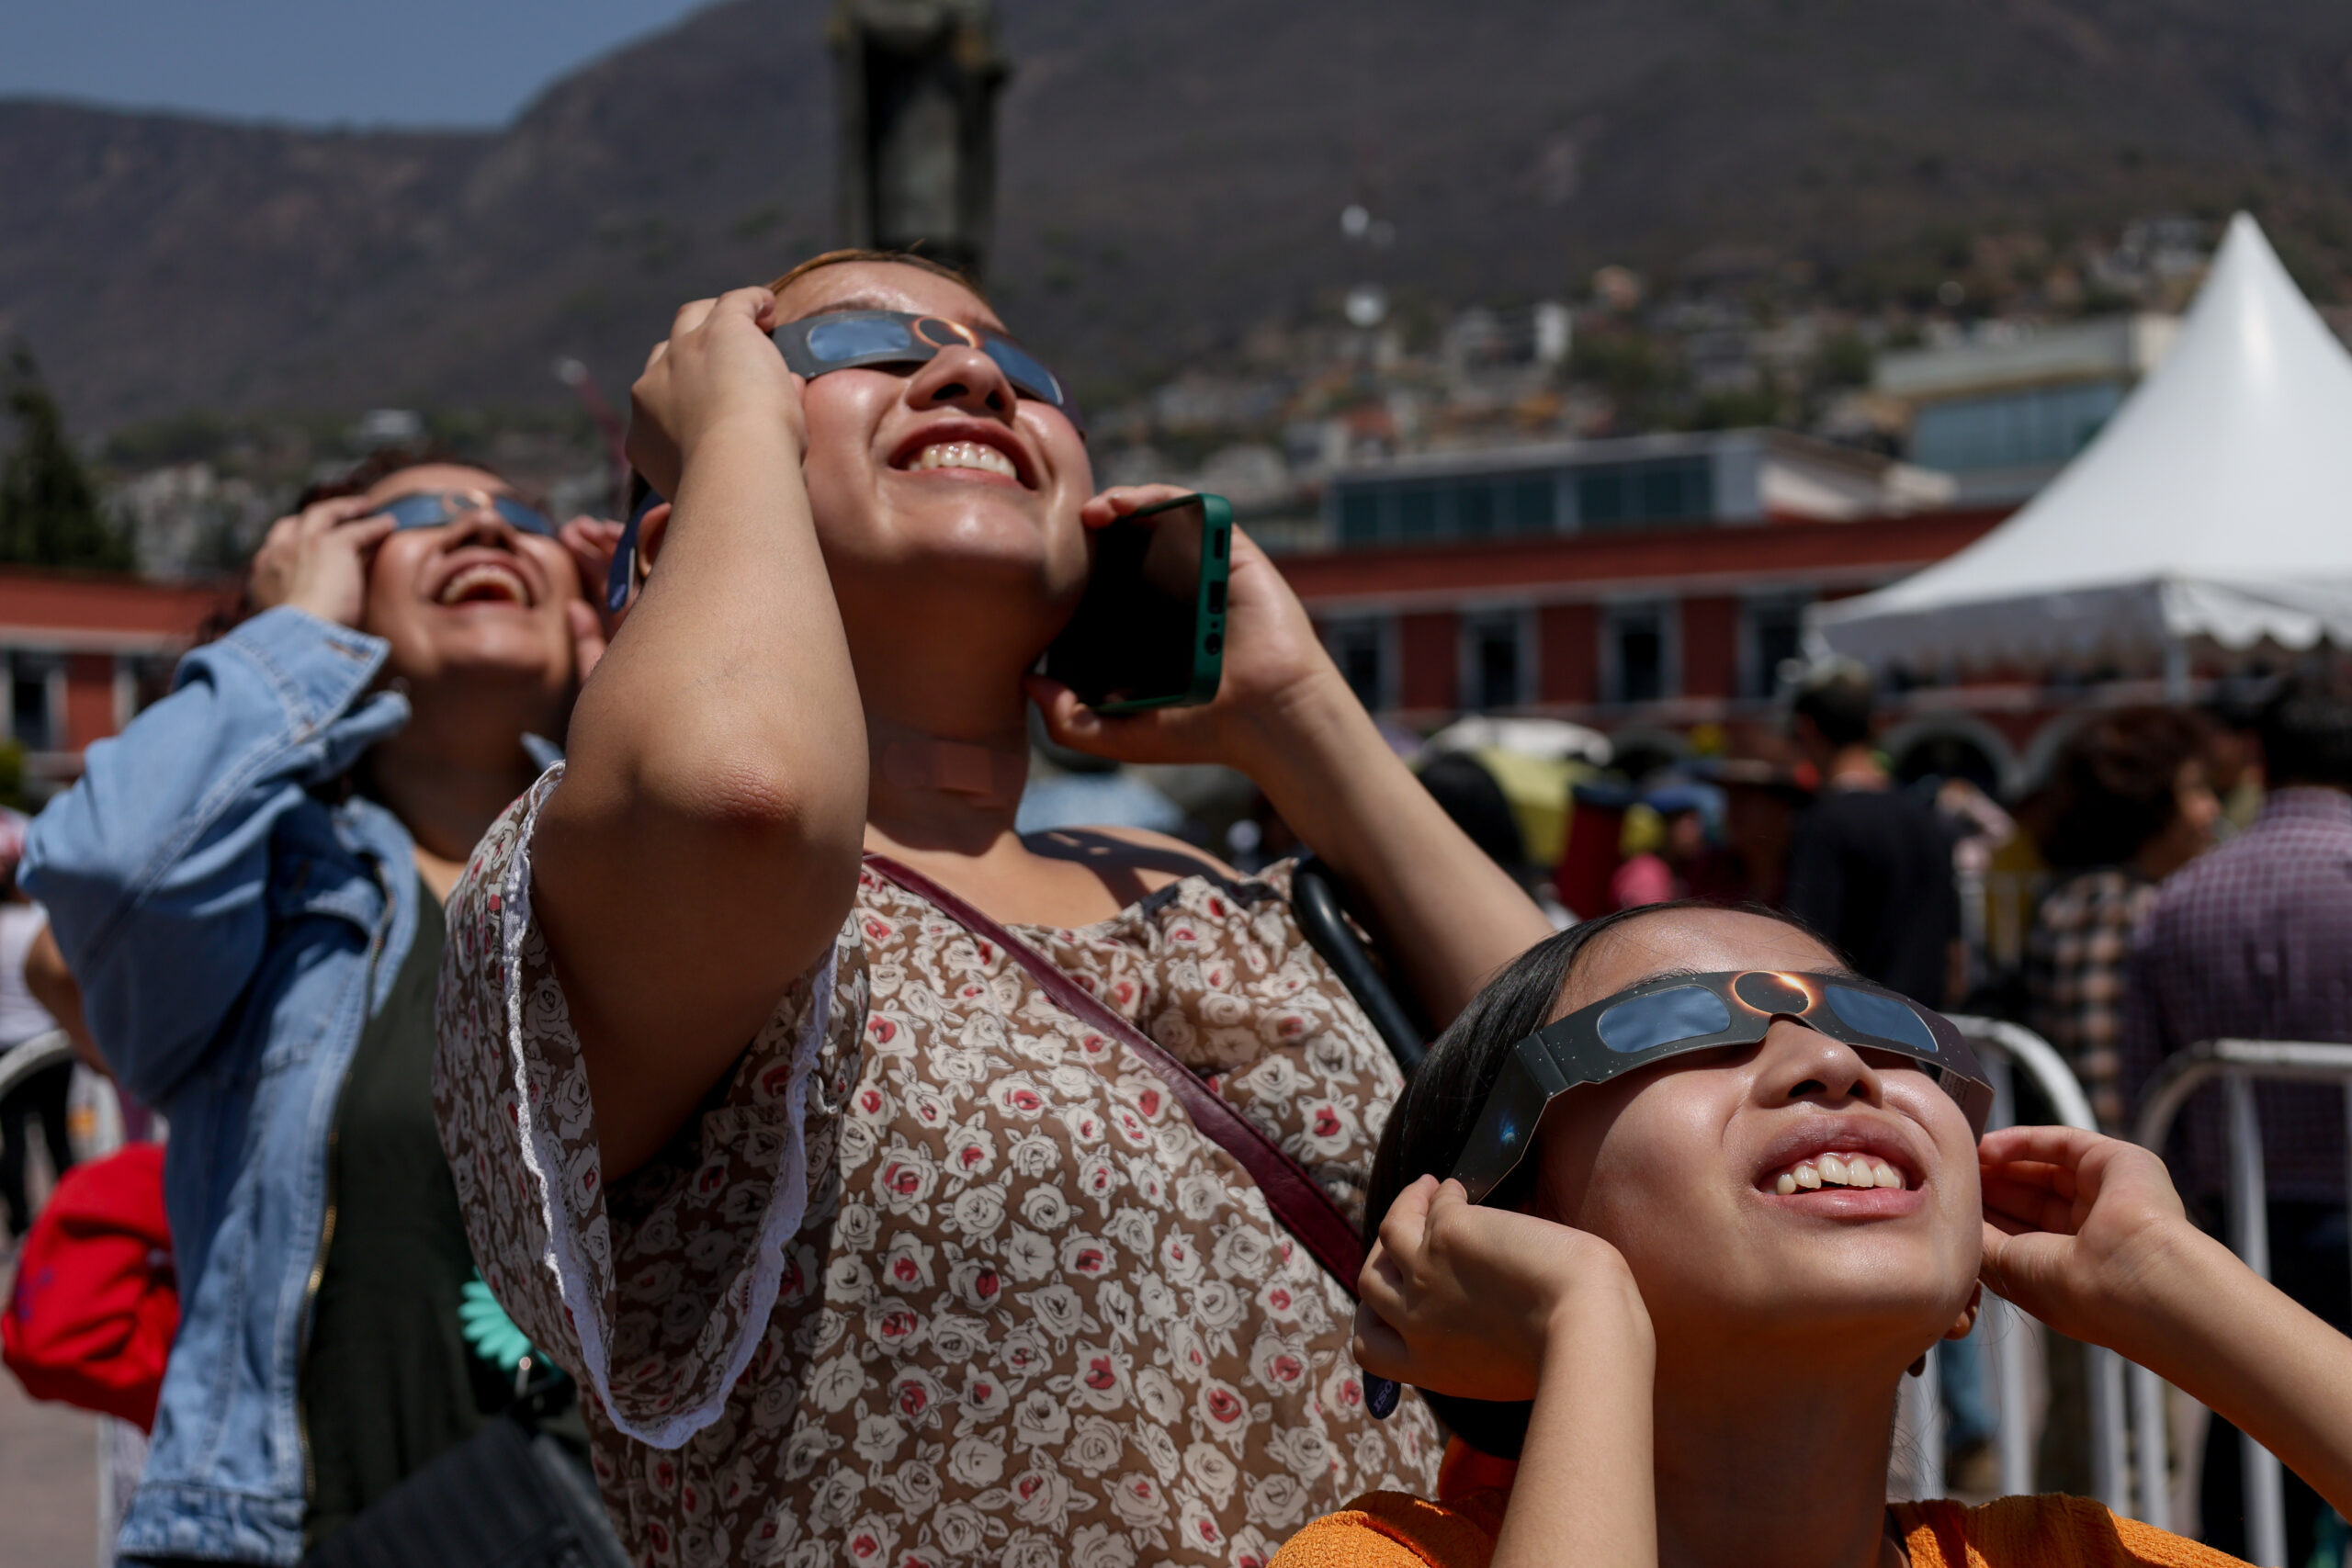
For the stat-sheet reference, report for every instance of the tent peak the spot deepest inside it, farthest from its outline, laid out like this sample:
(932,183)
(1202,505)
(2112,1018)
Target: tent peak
(2215,504)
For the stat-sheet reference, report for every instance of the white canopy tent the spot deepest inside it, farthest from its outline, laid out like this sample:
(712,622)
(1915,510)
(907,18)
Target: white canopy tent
(2215,509)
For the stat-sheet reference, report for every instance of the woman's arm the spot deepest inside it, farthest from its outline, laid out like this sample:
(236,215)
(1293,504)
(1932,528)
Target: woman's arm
(1284,717)
(155,867)
(1491,1304)
(702,848)
(2087,1233)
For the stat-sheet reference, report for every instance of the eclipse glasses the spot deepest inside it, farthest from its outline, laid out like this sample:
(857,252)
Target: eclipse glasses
(432,509)
(1676,1013)
(850,340)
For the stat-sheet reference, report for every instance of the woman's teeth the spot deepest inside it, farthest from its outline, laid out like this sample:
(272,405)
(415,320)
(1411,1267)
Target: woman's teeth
(485,580)
(1838,1170)
(965,455)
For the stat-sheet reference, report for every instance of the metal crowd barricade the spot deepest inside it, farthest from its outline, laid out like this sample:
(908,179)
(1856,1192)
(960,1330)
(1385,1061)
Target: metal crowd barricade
(42,1051)
(2007,1049)
(2238,1064)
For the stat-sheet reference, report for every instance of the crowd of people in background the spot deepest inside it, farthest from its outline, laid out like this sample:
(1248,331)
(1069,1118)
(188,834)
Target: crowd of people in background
(729,1075)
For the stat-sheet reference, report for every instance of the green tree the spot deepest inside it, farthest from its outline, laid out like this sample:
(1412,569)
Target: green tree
(49,508)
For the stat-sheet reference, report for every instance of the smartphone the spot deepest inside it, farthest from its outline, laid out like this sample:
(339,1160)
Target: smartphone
(1150,631)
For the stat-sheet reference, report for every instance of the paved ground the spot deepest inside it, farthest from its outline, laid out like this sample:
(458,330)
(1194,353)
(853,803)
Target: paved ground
(49,1478)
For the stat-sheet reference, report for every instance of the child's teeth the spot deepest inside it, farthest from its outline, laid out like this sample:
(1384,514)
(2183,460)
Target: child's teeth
(1838,1170)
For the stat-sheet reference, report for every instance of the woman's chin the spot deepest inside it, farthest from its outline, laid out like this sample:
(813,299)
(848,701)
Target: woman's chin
(1842,1294)
(500,652)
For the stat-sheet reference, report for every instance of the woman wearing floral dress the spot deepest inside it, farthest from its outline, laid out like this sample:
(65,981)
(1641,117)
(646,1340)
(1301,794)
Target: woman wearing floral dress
(869,1251)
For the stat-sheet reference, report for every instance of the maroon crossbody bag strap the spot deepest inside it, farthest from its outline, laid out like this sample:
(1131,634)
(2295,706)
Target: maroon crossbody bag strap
(1302,1207)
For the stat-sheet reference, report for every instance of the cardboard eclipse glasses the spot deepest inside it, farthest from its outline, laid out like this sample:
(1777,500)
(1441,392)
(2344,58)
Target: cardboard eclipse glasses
(853,340)
(431,509)
(1677,1013)
(849,340)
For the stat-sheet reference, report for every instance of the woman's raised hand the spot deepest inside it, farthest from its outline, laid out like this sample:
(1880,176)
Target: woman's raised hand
(1272,659)
(317,559)
(2075,1225)
(1470,1301)
(717,366)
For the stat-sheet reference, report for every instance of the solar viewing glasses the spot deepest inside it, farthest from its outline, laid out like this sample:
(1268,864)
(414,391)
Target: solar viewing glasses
(848,340)
(1676,1013)
(431,509)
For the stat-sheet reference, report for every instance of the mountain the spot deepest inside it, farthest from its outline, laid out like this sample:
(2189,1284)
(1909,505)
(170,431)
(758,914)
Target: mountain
(1171,177)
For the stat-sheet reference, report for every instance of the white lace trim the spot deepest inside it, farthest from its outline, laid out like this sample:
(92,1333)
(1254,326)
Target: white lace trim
(582,1295)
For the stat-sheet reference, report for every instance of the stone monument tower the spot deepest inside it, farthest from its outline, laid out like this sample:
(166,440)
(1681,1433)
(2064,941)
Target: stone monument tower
(917,82)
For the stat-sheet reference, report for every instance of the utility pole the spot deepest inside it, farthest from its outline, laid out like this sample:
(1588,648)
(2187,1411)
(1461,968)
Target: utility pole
(917,80)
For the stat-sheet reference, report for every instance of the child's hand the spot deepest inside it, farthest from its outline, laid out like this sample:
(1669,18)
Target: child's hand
(1467,1299)
(2075,1224)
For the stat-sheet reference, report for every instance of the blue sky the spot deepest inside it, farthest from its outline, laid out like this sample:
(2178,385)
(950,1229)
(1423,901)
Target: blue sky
(414,62)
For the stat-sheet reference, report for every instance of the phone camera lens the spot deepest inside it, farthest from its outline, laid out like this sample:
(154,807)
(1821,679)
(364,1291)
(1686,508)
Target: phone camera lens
(1214,642)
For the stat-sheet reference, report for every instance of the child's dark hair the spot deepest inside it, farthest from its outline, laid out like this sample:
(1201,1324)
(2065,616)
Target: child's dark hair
(1433,1119)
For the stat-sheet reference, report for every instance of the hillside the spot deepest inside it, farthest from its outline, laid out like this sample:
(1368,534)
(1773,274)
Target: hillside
(1171,177)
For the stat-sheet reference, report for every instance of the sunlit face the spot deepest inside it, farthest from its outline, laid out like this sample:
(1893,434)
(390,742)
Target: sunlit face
(474,596)
(907,467)
(1680,1165)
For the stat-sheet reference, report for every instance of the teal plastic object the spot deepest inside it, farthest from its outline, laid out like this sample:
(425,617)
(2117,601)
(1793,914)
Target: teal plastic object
(489,1331)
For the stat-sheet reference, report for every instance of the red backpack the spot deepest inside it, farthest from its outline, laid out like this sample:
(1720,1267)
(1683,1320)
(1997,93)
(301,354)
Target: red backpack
(90,1323)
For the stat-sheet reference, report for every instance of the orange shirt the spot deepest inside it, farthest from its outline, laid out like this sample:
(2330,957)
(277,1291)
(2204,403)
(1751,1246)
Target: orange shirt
(1389,1530)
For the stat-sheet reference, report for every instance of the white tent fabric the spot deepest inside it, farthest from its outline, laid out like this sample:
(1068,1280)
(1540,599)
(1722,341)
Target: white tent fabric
(2215,508)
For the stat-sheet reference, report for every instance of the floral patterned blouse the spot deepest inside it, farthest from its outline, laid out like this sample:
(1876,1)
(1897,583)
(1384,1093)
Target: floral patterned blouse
(939,1274)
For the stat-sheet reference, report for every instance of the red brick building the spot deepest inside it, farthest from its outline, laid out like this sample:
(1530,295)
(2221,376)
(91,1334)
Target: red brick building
(82,653)
(1675,624)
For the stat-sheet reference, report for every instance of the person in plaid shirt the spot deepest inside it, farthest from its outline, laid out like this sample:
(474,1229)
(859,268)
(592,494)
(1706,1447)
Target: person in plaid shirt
(2254,943)
(2131,806)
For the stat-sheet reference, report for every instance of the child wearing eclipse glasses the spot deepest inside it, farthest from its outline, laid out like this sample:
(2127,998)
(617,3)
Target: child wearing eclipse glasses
(1669,1212)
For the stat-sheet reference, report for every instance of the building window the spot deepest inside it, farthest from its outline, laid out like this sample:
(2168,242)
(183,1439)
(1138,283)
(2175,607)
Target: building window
(31,717)
(1667,489)
(1476,506)
(1494,663)
(1775,636)
(1473,509)
(1531,505)
(2030,428)
(1636,653)
(151,680)
(1417,517)
(1359,648)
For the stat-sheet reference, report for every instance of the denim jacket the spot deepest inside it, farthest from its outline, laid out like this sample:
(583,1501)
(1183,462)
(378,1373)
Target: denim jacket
(232,929)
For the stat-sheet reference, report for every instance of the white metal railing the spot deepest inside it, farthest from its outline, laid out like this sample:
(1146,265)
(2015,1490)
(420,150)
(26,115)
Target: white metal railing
(2239,1065)
(42,1051)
